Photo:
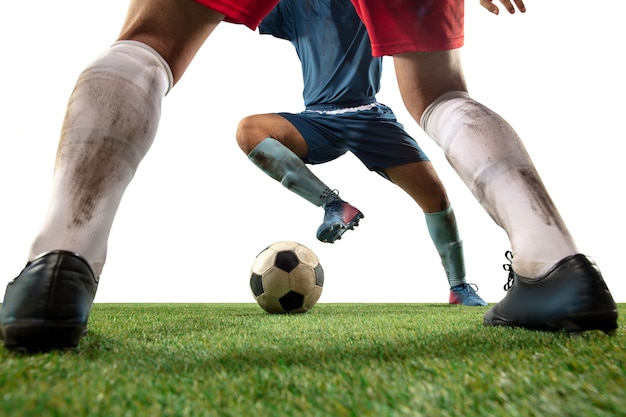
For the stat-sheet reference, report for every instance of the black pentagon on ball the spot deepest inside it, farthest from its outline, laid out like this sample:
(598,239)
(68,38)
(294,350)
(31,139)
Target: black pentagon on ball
(287,260)
(256,283)
(291,301)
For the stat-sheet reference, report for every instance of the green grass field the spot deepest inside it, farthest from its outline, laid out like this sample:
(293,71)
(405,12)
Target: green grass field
(337,360)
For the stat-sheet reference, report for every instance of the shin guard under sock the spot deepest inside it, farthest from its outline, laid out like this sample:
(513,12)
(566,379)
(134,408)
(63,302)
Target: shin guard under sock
(280,163)
(111,121)
(492,161)
(444,233)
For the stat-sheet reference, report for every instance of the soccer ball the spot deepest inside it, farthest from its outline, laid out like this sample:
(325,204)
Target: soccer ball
(286,277)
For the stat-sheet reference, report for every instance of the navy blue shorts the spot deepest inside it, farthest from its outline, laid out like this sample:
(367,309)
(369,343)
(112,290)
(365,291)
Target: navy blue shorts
(371,132)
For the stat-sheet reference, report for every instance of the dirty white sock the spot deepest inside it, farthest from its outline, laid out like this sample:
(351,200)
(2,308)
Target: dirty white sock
(492,161)
(111,121)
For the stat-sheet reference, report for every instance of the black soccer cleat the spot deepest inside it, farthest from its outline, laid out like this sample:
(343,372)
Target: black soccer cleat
(572,297)
(47,306)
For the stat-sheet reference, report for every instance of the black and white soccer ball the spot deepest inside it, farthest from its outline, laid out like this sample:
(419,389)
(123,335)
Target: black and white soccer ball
(286,277)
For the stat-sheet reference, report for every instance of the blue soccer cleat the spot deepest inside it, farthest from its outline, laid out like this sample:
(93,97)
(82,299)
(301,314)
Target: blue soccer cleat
(339,217)
(466,295)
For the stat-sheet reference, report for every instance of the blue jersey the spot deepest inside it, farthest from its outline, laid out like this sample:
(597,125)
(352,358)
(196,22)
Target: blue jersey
(334,49)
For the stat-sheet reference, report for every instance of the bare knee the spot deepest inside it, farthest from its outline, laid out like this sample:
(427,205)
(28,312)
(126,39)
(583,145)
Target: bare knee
(250,133)
(435,204)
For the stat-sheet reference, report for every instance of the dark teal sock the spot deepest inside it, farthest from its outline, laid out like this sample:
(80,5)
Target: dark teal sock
(444,232)
(280,163)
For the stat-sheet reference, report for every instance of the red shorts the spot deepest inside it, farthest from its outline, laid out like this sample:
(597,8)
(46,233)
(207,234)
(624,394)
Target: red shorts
(399,26)
(246,12)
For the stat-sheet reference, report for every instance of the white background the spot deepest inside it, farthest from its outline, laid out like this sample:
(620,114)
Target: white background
(198,211)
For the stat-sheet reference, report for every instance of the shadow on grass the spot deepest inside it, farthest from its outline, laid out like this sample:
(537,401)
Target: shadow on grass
(330,339)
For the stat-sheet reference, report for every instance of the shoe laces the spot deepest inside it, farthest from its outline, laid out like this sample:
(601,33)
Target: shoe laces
(509,268)
(470,288)
(329,196)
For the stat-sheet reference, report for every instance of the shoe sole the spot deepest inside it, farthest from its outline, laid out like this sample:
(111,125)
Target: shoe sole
(41,336)
(575,324)
(332,235)
(460,303)
(581,324)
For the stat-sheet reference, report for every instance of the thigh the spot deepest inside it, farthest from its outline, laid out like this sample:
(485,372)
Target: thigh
(176,29)
(323,135)
(424,76)
(421,182)
(252,130)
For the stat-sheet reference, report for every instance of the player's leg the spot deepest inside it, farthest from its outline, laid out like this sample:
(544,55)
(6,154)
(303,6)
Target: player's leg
(421,182)
(555,287)
(278,148)
(491,159)
(375,136)
(111,120)
(489,156)
(275,146)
